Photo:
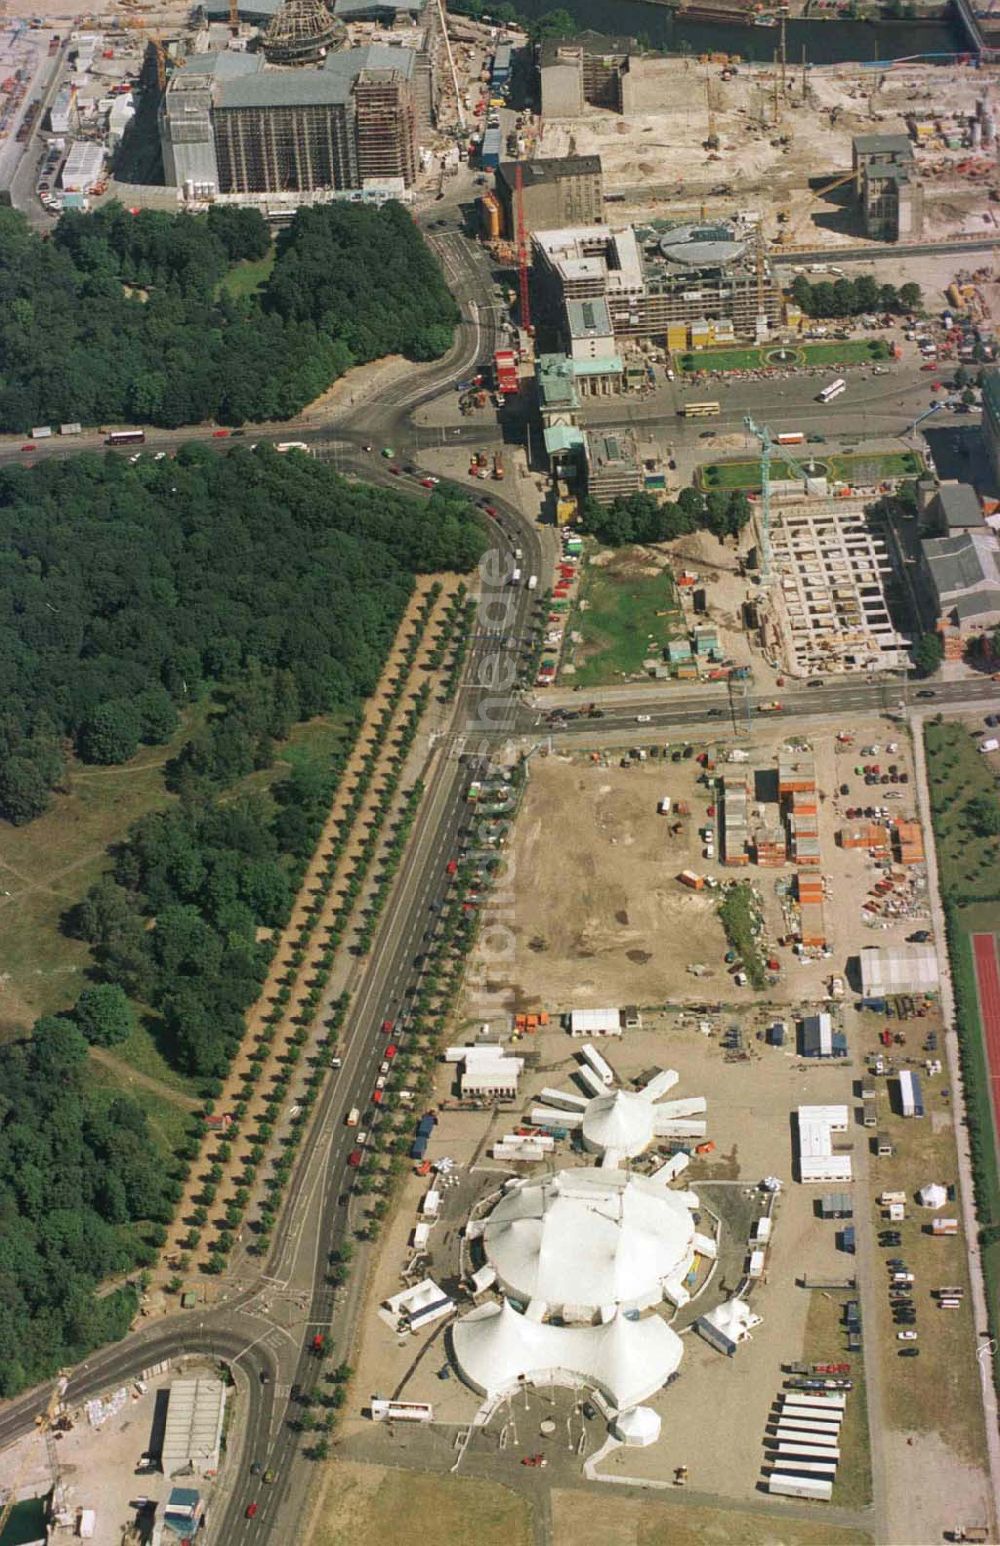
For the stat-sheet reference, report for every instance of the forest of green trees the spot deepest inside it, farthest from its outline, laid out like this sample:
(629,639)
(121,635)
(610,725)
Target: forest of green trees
(122,318)
(84,1196)
(264,589)
(126,592)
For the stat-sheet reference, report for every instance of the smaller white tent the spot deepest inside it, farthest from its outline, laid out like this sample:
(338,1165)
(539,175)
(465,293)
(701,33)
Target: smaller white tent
(933,1195)
(727,1325)
(637,1427)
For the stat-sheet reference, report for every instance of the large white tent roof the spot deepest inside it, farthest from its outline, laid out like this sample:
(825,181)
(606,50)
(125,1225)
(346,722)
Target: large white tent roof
(496,1349)
(621,1120)
(589,1239)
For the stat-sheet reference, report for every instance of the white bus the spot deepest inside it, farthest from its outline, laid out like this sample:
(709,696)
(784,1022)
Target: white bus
(833,390)
(792,437)
(292,445)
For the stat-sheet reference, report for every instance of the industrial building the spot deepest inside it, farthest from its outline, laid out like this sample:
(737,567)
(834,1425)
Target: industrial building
(961,573)
(818,1039)
(948,508)
(669,283)
(829,610)
(885,183)
(891,969)
(231,124)
(564,191)
(193,1430)
(576,73)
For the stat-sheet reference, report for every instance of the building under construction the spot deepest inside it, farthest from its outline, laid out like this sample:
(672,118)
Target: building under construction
(682,284)
(827,608)
(231,124)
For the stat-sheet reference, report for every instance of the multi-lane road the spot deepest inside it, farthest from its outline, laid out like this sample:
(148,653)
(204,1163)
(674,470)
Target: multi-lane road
(264,1326)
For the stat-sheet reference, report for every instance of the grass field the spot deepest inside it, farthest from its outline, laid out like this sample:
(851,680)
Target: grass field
(366,1505)
(844,468)
(847,351)
(970,885)
(627,611)
(957,773)
(826,1342)
(248,277)
(629,1521)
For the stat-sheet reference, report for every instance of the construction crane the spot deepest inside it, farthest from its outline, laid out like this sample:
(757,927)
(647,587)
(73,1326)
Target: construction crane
(790,232)
(712,141)
(138,24)
(762,433)
(522,248)
(43,1423)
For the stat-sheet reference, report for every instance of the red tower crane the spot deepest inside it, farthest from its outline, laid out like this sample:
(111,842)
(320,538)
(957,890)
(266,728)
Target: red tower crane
(522,248)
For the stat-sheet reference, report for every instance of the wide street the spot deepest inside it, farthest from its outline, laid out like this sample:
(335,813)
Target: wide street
(262,1323)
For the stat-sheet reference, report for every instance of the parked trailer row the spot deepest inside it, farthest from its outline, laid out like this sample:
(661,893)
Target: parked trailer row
(830,1414)
(787,1486)
(807,1452)
(794,1433)
(602,1068)
(806,1420)
(833,1398)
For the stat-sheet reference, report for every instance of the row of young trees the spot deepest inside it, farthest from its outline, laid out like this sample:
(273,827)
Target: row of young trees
(130,592)
(126,318)
(293,1013)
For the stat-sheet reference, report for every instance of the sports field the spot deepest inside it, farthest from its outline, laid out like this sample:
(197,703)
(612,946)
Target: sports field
(984,955)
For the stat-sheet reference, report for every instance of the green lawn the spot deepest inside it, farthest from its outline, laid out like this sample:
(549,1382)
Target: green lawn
(838,351)
(970,885)
(852,467)
(170,1122)
(248,277)
(627,612)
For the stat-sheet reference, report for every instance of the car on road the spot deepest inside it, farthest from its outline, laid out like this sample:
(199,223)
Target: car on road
(397,472)
(644,719)
(816,440)
(815,681)
(707,434)
(354,1158)
(390,1052)
(388,453)
(251,1510)
(926,692)
(715,713)
(490,510)
(256,1469)
(367,448)
(920,937)
(388,1026)
(30,447)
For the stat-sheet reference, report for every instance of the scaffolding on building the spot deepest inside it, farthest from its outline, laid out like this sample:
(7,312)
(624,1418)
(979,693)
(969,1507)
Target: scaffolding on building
(301,32)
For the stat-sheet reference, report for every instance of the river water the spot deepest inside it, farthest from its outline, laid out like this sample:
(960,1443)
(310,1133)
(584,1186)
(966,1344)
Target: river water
(825,42)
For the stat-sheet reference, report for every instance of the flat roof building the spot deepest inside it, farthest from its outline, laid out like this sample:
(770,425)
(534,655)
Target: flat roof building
(193,1430)
(889,969)
(818,1161)
(559,191)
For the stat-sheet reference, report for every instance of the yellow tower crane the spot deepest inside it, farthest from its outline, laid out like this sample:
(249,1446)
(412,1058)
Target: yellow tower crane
(788,235)
(43,1422)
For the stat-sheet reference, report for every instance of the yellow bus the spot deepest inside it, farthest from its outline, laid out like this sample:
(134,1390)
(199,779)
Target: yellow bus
(699,410)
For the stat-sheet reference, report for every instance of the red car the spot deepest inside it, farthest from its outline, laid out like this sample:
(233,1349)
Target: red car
(396,471)
(251,1510)
(428,482)
(931,365)
(377,1097)
(220,434)
(391,1050)
(387,1026)
(355,1157)
(30,447)
(491,511)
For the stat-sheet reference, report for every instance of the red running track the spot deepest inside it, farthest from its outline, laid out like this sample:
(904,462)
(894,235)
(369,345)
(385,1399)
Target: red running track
(984,955)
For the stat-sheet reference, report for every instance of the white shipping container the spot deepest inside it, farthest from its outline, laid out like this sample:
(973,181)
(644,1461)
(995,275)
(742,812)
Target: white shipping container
(808,1452)
(602,1068)
(827,1398)
(787,1486)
